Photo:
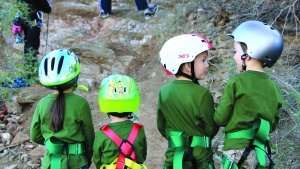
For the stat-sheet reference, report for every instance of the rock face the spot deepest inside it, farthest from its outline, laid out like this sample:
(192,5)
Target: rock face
(123,43)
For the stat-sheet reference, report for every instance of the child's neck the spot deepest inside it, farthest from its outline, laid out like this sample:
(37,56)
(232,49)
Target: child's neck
(117,119)
(65,91)
(182,78)
(256,68)
(255,65)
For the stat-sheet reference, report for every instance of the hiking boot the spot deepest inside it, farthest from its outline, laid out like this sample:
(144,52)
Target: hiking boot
(150,11)
(104,15)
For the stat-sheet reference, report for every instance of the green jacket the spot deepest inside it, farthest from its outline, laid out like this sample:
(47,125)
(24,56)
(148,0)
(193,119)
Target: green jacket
(246,97)
(106,151)
(77,128)
(187,107)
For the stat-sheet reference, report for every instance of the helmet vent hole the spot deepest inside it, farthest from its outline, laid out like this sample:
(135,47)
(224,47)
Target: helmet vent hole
(52,63)
(203,41)
(124,89)
(46,67)
(61,60)
(272,28)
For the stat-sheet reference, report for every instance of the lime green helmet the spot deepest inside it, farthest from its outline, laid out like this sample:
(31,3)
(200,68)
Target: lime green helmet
(118,93)
(59,69)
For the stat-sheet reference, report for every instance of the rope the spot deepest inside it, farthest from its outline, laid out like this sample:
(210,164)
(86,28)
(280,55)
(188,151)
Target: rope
(47,35)
(47,30)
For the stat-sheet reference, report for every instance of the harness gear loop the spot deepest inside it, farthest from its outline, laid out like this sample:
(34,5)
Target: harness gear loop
(40,17)
(258,136)
(59,149)
(181,142)
(127,156)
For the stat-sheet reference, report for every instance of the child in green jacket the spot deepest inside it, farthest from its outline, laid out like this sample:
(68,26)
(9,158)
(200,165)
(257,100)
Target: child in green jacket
(120,143)
(250,106)
(185,109)
(62,121)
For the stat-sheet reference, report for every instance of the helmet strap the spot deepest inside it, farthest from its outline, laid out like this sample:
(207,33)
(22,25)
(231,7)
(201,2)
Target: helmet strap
(193,77)
(243,57)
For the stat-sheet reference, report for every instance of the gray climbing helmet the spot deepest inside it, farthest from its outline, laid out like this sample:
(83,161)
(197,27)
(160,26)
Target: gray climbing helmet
(263,41)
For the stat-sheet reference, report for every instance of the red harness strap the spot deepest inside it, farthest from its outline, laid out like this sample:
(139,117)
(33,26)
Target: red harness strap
(126,148)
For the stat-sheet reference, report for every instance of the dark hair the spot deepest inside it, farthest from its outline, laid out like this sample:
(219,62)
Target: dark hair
(57,111)
(124,114)
(179,70)
(244,46)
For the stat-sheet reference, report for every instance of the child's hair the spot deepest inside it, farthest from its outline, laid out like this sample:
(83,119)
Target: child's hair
(243,46)
(57,109)
(118,94)
(123,114)
(59,70)
(263,41)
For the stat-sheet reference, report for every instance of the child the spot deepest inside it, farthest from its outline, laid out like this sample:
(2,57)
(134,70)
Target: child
(62,121)
(120,143)
(105,6)
(185,109)
(250,105)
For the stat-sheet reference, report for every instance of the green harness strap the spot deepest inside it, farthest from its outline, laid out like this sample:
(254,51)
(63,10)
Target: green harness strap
(260,133)
(227,163)
(180,142)
(58,149)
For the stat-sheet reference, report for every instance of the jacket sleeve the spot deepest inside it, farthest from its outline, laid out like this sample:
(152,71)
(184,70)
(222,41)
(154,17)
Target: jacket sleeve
(44,6)
(226,104)
(207,113)
(88,130)
(35,129)
(97,154)
(160,119)
(277,114)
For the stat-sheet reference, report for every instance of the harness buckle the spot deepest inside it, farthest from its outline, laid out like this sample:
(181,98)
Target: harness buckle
(231,163)
(76,147)
(122,152)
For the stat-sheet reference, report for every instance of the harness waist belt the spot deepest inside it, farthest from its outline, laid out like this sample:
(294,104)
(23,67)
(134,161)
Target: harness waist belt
(178,140)
(58,148)
(260,135)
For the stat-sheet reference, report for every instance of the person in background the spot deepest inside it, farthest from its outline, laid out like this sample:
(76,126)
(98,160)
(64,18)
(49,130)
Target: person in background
(185,109)
(31,27)
(122,142)
(250,105)
(62,121)
(142,5)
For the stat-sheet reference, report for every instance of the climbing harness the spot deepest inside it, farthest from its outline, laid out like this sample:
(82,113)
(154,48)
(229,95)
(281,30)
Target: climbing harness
(259,139)
(127,156)
(181,143)
(57,150)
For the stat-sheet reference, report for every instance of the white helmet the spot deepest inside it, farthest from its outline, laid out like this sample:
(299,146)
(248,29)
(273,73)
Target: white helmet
(182,49)
(263,41)
(59,69)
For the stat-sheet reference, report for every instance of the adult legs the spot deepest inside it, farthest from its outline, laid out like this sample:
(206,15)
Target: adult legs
(105,5)
(141,4)
(31,49)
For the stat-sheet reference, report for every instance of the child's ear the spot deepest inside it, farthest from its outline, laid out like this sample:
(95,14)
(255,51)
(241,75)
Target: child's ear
(248,57)
(187,67)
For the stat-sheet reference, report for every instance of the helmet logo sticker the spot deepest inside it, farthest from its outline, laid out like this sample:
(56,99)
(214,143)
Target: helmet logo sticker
(183,56)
